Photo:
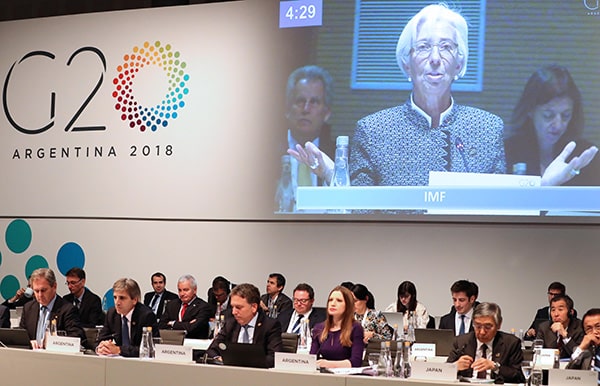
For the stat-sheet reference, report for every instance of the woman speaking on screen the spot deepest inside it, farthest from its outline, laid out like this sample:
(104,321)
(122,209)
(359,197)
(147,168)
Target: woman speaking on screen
(400,145)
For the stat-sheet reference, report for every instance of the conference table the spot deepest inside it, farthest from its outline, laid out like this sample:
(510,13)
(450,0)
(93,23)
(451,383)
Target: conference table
(28,367)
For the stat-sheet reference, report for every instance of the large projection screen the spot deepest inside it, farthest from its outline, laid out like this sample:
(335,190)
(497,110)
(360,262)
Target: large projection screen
(183,117)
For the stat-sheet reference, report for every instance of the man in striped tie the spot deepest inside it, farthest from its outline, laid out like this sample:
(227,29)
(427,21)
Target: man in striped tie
(303,299)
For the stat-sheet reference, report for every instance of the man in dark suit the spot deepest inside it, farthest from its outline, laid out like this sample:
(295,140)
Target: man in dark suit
(587,355)
(309,96)
(156,299)
(188,312)
(543,314)
(249,325)
(124,323)
(4,317)
(275,302)
(565,331)
(486,352)
(303,299)
(48,306)
(87,303)
(464,299)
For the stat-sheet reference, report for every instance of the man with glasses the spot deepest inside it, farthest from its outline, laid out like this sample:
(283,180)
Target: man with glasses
(86,302)
(48,306)
(587,354)
(486,352)
(303,299)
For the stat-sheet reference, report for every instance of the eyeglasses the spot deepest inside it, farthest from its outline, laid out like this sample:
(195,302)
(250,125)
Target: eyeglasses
(486,327)
(589,329)
(554,293)
(446,48)
(301,301)
(73,282)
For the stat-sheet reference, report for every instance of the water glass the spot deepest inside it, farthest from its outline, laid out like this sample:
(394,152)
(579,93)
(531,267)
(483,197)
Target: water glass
(536,376)
(526,367)
(374,361)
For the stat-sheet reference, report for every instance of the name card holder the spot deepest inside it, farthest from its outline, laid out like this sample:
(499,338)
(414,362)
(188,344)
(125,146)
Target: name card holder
(64,344)
(546,358)
(434,371)
(296,362)
(423,350)
(557,377)
(173,353)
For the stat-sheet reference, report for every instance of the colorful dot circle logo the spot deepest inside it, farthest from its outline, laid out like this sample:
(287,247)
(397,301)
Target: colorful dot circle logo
(151,117)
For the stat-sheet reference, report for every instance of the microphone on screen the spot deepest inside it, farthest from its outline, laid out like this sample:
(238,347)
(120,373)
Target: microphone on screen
(460,146)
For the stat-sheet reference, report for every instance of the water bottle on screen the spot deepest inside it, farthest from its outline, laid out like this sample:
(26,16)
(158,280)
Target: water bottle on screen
(341,174)
(285,197)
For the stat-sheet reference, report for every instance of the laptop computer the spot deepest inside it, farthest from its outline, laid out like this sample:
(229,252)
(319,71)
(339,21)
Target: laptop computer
(14,338)
(243,355)
(443,339)
(394,318)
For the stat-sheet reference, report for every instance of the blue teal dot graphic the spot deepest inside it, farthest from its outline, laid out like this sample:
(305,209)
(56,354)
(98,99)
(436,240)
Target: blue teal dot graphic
(9,286)
(107,300)
(70,255)
(34,263)
(18,236)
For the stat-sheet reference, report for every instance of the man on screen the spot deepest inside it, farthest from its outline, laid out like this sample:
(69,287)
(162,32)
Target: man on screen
(309,95)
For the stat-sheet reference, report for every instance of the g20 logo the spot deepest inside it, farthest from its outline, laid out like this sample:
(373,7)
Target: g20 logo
(592,7)
(150,117)
(143,117)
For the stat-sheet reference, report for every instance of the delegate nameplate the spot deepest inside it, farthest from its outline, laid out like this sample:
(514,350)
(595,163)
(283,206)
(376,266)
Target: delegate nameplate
(433,371)
(173,353)
(295,362)
(63,344)
(557,377)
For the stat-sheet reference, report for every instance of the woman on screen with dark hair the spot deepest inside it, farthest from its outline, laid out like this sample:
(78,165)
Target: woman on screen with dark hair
(337,341)
(407,303)
(373,322)
(547,118)
(430,131)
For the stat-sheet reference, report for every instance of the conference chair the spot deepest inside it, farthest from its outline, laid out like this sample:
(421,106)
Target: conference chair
(289,342)
(174,337)
(374,346)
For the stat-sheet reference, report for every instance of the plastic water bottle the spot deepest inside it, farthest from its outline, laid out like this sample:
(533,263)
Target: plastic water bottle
(399,361)
(341,174)
(285,197)
(146,347)
(303,343)
(410,330)
(406,366)
(385,359)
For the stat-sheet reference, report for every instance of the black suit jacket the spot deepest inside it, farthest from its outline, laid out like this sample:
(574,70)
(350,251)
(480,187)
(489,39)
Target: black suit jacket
(67,318)
(267,332)
(317,315)
(90,309)
(506,351)
(574,331)
(447,321)
(283,303)
(198,310)
(142,317)
(4,317)
(19,303)
(166,297)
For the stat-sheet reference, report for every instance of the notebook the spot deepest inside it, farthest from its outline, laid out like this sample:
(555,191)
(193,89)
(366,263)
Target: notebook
(443,339)
(15,338)
(243,355)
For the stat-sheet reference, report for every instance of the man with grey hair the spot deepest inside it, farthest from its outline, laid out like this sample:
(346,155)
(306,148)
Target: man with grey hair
(47,307)
(486,352)
(188,312)
(124,323)
(309,95)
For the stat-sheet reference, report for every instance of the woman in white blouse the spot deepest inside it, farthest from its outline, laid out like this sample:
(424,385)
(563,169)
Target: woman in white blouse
(407,303)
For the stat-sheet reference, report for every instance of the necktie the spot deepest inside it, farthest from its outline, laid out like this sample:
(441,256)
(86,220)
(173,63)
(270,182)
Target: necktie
(304,175)
(76,303)
(245,335)
(296,328)
(154,303)
(184,307)
(462,325)
(483,374)
(124,332)
(41,326)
